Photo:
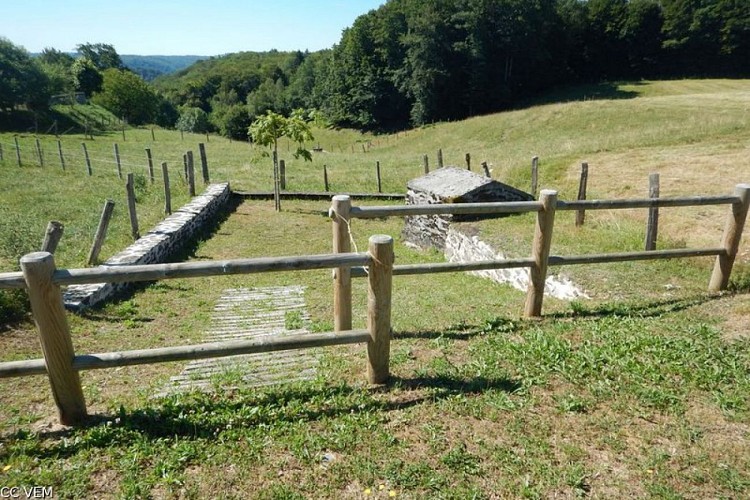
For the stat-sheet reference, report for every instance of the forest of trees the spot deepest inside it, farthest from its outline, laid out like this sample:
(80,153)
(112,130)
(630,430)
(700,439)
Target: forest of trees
(409,62)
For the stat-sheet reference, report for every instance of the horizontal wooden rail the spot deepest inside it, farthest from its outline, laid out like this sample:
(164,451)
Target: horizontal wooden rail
(604,258)
(449,267)
(12,280)
(687,201)
(509,207)
(154,272)
(191,352)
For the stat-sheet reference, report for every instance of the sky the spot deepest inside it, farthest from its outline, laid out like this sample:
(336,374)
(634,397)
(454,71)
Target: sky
(180,27)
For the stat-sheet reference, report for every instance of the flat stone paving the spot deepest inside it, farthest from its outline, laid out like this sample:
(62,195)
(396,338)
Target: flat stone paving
(248,313)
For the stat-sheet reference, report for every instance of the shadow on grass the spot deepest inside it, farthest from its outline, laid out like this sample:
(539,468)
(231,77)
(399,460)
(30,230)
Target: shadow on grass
(588,92)
(649,309)
(206,415)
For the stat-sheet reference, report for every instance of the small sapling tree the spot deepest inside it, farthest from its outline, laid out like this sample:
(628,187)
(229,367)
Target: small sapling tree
(267,129)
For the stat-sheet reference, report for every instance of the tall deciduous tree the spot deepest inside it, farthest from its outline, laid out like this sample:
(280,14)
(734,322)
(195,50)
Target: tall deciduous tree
(126,94)
(102,55)
(22,82)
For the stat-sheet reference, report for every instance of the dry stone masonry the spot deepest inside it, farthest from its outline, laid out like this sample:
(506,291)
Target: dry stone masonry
(455,185)
(450,185)
(158,245)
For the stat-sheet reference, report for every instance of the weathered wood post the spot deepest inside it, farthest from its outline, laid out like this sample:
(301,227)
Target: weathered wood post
(204,162)
(150,164)
(54,336)
(380,279)
(190,173)
(282,174)
(276,183)
(545,222)
(440,158)
(468,161)
(52,236)
(342,277)
(153,138)
(131,208)
(325,177)
(486,169)
(18,151)
(39,152)
(167,191)
(731,240)
(426,163)
(117,161)
(101,232)
(581,214)
(88,160)
(377,174)
(652,223)
(60,154)
(534,175)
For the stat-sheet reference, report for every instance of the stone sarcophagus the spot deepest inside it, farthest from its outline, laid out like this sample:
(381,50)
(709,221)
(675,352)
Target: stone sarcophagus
(450,185)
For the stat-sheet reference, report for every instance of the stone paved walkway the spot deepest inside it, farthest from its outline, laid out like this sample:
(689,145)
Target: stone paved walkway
(247,313)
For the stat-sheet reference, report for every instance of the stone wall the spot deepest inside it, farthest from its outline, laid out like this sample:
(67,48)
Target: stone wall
(460,247)
(450,185)
(169,237)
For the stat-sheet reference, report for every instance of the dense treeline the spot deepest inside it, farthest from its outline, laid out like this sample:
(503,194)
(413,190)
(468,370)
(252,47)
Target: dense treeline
(423,60)
(410,62)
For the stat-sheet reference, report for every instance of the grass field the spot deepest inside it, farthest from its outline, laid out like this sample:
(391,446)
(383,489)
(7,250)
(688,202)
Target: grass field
(640,391)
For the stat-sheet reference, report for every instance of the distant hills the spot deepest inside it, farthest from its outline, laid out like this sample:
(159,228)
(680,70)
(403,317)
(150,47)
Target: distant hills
(149,67)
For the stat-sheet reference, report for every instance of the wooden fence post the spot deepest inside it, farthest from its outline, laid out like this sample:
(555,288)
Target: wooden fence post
(150,164)
(534,175)
(486,169)
(276,183)
(581,214)
(153,138)
(117,160)
(18,151)
(380,279)
(131,208)
(88,160)
(52,236)
(54,335)
(101,232)
(468,161)
(325,178)
(60,154)
(426,163)
(342,276)
(377,173)
(190,173)
(545,223)
(440,158)
(652,224)
(731,240)
(282,174)
(167,192)
(204,162)
(39,152)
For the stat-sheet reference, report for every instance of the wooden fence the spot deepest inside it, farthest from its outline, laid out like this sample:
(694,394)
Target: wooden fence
(342,212)
(42,281)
